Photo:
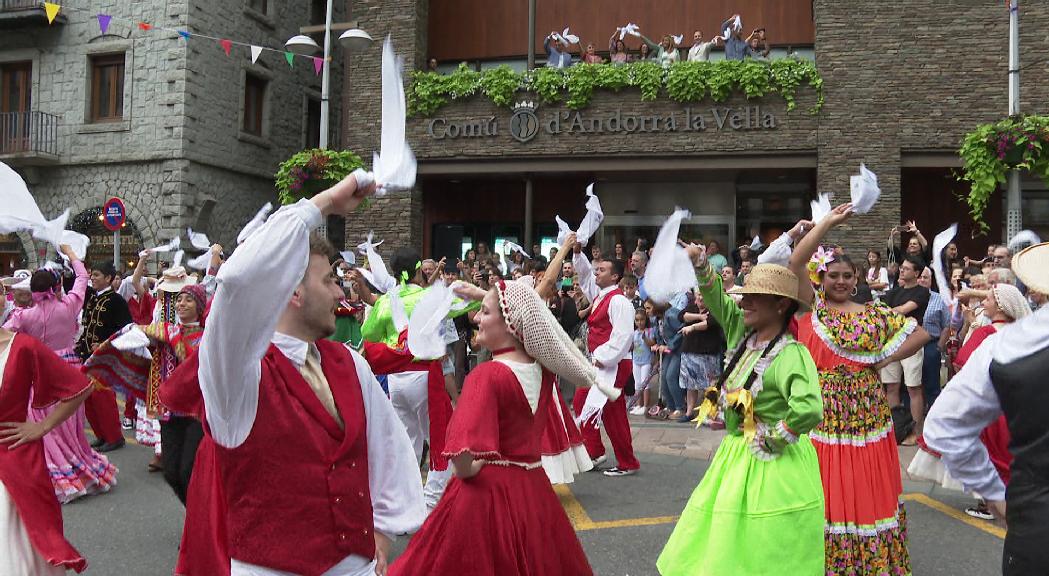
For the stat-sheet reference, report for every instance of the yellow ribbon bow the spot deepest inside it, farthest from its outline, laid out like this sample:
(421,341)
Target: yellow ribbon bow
(742,401)
(709,407)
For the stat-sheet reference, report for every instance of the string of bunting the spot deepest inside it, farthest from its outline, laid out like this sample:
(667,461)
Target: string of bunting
(52,10)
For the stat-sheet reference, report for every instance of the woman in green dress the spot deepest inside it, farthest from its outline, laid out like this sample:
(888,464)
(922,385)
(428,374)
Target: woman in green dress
(759,507)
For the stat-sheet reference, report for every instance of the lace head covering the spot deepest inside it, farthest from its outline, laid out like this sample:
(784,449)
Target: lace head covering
(529,320)
(1011,301)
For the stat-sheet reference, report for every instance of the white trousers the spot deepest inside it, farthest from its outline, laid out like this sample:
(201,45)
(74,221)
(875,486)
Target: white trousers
(409,395)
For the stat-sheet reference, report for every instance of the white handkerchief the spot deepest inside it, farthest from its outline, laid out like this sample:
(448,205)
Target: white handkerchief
(938,244)
(381,277)
(864,189)
(199,240)
(200,262)
(678,38)
(1023,239)
(820,207)
(562,230)
(593,218)
(596,399)
(134,340)
(172,244)
(348,256)
(514,247)
(78,242)
(424,326)
(569,37)
(670,270)
(255,223)
(394,165)
(756,244)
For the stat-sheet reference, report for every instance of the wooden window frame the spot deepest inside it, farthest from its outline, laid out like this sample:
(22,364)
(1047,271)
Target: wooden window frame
(254,115)
(260,6)
(117,61)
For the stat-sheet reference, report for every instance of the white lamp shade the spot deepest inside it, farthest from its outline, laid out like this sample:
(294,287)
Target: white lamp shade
(302,44)
(354,40)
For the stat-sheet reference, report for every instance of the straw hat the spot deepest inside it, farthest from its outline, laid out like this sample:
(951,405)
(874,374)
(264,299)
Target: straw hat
(1031,265)
(771,279)
(175,279)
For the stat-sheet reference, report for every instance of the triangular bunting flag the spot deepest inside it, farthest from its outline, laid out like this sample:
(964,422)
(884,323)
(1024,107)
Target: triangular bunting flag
(255,51)
(52,10)
(184,33)
(290,57)
(144,26)
(103,22)
(318,63)
(227,45)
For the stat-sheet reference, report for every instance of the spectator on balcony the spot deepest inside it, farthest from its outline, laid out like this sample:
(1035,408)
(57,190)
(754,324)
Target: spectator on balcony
(736,47)
(590,56)
(643,54)
(431,66)
(759,43)
(700,50)
(666,51)
(557,55)
(617,53)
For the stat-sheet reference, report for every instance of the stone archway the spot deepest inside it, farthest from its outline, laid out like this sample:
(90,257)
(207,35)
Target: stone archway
(89,223)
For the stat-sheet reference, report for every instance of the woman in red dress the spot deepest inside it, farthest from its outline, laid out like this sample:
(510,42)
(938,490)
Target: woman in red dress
(499,515)
(31,538)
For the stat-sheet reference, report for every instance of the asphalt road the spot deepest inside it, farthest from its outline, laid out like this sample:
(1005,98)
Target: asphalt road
(622,522)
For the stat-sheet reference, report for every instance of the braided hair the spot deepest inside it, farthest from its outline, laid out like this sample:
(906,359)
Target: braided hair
(715,392)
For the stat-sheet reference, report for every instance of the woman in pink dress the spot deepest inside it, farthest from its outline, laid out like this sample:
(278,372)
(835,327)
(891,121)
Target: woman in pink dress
(32,377)
(76,470)
(499,515)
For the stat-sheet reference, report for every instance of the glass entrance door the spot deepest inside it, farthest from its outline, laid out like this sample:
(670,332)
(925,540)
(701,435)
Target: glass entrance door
(629,228)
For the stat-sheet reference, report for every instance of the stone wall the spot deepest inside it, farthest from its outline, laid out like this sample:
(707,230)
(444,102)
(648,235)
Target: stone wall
(913,76)
(397,217)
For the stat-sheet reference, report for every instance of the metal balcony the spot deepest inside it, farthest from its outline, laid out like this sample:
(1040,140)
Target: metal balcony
(28,138)
(20,13)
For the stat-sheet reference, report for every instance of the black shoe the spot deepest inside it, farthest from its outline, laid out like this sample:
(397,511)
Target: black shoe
(111,446)
(97,442)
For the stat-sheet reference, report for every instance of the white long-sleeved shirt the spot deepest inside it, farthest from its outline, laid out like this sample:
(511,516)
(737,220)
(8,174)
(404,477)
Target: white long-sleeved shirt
(255,284)
(700,52)
(969,403)
(620,313)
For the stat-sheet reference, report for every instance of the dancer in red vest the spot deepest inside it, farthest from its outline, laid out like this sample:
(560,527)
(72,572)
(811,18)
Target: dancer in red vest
(609,338)
(306,468)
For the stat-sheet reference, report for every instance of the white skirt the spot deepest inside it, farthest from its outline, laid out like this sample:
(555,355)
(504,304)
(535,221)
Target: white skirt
(17,555)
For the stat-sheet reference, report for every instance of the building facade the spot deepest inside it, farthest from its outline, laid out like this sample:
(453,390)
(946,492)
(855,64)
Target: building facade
(902,82)
(185,135)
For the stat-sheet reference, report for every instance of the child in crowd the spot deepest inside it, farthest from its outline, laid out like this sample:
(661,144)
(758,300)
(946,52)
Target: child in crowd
(629,287)
(644,340)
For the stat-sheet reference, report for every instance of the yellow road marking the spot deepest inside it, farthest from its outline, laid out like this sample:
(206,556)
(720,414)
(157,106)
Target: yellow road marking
(582,522)
(988,527)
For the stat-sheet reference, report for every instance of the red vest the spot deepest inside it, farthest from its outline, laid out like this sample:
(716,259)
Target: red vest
(296,490)
(599,325)
(599,330)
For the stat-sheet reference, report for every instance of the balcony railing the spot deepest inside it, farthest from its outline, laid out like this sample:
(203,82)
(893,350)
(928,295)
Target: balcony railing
(32,133)
(11,5)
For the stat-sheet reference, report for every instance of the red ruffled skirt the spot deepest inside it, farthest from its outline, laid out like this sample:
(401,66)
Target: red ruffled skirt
(865,532)
(564,455)
(506,520)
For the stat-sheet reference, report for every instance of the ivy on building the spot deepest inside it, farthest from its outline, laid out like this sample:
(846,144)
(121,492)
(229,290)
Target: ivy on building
(991,150)
(312,171)
(575,85)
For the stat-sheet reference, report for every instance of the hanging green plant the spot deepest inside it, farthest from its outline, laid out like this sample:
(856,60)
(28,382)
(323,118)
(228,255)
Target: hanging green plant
(991,150)
(683,82)
(312,171)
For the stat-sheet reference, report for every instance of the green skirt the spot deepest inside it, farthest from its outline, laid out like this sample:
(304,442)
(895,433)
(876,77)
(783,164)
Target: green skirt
(751,517)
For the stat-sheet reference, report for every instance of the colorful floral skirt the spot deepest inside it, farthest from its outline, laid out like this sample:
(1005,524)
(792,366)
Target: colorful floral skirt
(751,516)
(866,528)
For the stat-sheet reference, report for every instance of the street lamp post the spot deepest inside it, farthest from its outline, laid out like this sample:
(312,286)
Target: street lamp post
(1013,202)
(350,40)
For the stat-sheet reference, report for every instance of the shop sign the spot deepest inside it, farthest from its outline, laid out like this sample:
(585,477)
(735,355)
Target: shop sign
(525,123)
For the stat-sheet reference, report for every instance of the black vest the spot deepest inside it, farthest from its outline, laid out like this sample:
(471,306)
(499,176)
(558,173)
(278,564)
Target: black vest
(1023,391)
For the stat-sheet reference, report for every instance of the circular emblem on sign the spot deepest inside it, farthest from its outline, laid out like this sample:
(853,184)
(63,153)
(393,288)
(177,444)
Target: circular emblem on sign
(113,214)
(524,124)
